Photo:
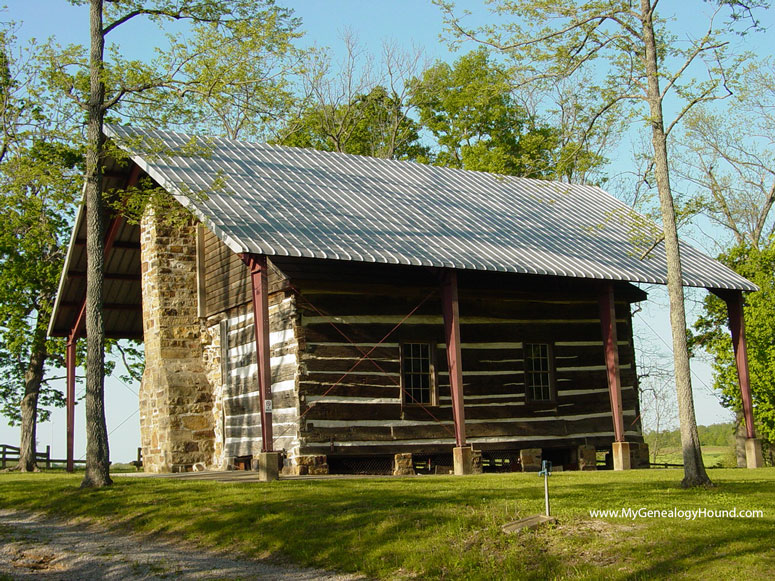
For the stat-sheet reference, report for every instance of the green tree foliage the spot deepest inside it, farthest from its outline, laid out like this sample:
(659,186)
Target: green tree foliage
(235,76)
(711,334)
(38,189)
(713,435)
(477,123)
(39,182)
(373,124)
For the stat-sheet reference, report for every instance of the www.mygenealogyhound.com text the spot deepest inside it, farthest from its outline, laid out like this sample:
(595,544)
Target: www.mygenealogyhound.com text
(686,514)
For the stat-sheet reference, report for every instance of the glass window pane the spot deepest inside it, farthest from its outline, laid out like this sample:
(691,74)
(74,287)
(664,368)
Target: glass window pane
(416,364)
(537,372)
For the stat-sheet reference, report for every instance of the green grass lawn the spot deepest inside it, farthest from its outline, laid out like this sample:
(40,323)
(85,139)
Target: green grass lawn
(712,456)
(444,527)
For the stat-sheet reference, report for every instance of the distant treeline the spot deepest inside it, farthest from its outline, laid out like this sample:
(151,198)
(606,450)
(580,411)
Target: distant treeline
(715,435)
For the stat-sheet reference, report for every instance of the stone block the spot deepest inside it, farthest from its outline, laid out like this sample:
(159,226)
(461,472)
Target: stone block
(587,457)
(753,453)
(206,435)
(476,462)
(294,470)
(310,460)
(195,422)
(639,455)
(621,455)
(268,466)
(530,458)
(461,459)
(317,470)
(402,465)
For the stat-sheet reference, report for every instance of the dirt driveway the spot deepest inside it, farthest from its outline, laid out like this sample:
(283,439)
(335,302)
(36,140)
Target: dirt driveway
(37,547)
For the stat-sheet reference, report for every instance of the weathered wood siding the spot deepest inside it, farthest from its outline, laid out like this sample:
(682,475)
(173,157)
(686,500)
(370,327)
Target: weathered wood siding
(361,412)
(242,412)
(227,299)
(223,277)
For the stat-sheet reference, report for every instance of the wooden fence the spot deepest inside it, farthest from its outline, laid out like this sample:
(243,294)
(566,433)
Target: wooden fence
(10,453)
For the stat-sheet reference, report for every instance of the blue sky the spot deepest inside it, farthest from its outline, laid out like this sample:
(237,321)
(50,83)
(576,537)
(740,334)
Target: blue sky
(407,22)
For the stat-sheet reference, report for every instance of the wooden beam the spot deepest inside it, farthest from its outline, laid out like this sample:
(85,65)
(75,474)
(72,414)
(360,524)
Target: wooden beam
(451,313)
(70,364)
(258,276)
(201,287)
(734,301)
(608,324)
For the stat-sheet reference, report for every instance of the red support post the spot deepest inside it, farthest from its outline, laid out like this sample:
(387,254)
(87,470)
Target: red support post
(608,324)
(75,332)
(70,364)
(77,328)
(258,275)
(450,310)
(734,302)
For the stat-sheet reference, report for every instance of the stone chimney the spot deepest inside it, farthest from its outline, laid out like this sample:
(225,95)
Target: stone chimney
(176,399)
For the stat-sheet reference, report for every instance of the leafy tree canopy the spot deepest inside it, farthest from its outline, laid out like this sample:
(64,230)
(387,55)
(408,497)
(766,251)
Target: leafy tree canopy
(373,124)
(40,171)
(477,123)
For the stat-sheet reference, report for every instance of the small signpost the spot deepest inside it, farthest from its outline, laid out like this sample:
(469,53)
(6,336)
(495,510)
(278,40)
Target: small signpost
(534,521)
(546,472)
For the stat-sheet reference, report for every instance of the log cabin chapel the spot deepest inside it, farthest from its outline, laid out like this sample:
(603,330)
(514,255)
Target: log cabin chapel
(409,317)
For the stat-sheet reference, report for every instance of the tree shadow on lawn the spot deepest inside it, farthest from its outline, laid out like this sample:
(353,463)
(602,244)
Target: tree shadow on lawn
(705,546)
(450,527)
(446,526)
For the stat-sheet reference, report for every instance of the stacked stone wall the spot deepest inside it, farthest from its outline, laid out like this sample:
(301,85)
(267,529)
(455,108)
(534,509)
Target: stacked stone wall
(176,396)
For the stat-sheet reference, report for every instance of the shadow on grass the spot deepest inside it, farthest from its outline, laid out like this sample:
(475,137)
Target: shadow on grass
(444,527)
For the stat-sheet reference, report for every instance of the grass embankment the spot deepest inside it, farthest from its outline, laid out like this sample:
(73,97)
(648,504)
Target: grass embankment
(443,527)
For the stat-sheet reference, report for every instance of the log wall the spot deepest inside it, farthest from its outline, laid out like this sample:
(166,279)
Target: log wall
(225,283)
(361,412)
(327,399)
(241,409)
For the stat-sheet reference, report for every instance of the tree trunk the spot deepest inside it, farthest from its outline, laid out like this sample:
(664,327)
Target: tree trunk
(29,407)
(97,451)
(694,469)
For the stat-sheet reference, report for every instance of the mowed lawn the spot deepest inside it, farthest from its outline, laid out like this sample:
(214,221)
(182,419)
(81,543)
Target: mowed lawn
(444,527)
(713,456)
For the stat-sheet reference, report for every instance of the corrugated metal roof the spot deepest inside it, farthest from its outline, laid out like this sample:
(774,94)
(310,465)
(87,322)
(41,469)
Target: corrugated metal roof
(299,202)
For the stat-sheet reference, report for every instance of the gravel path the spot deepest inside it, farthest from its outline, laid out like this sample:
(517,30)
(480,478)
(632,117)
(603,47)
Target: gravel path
(34,546)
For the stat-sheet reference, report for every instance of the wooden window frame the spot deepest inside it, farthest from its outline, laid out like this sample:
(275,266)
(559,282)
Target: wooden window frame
(432,372)
(552,374)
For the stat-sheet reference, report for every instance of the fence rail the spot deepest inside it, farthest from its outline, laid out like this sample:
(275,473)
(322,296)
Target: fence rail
(10,453)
